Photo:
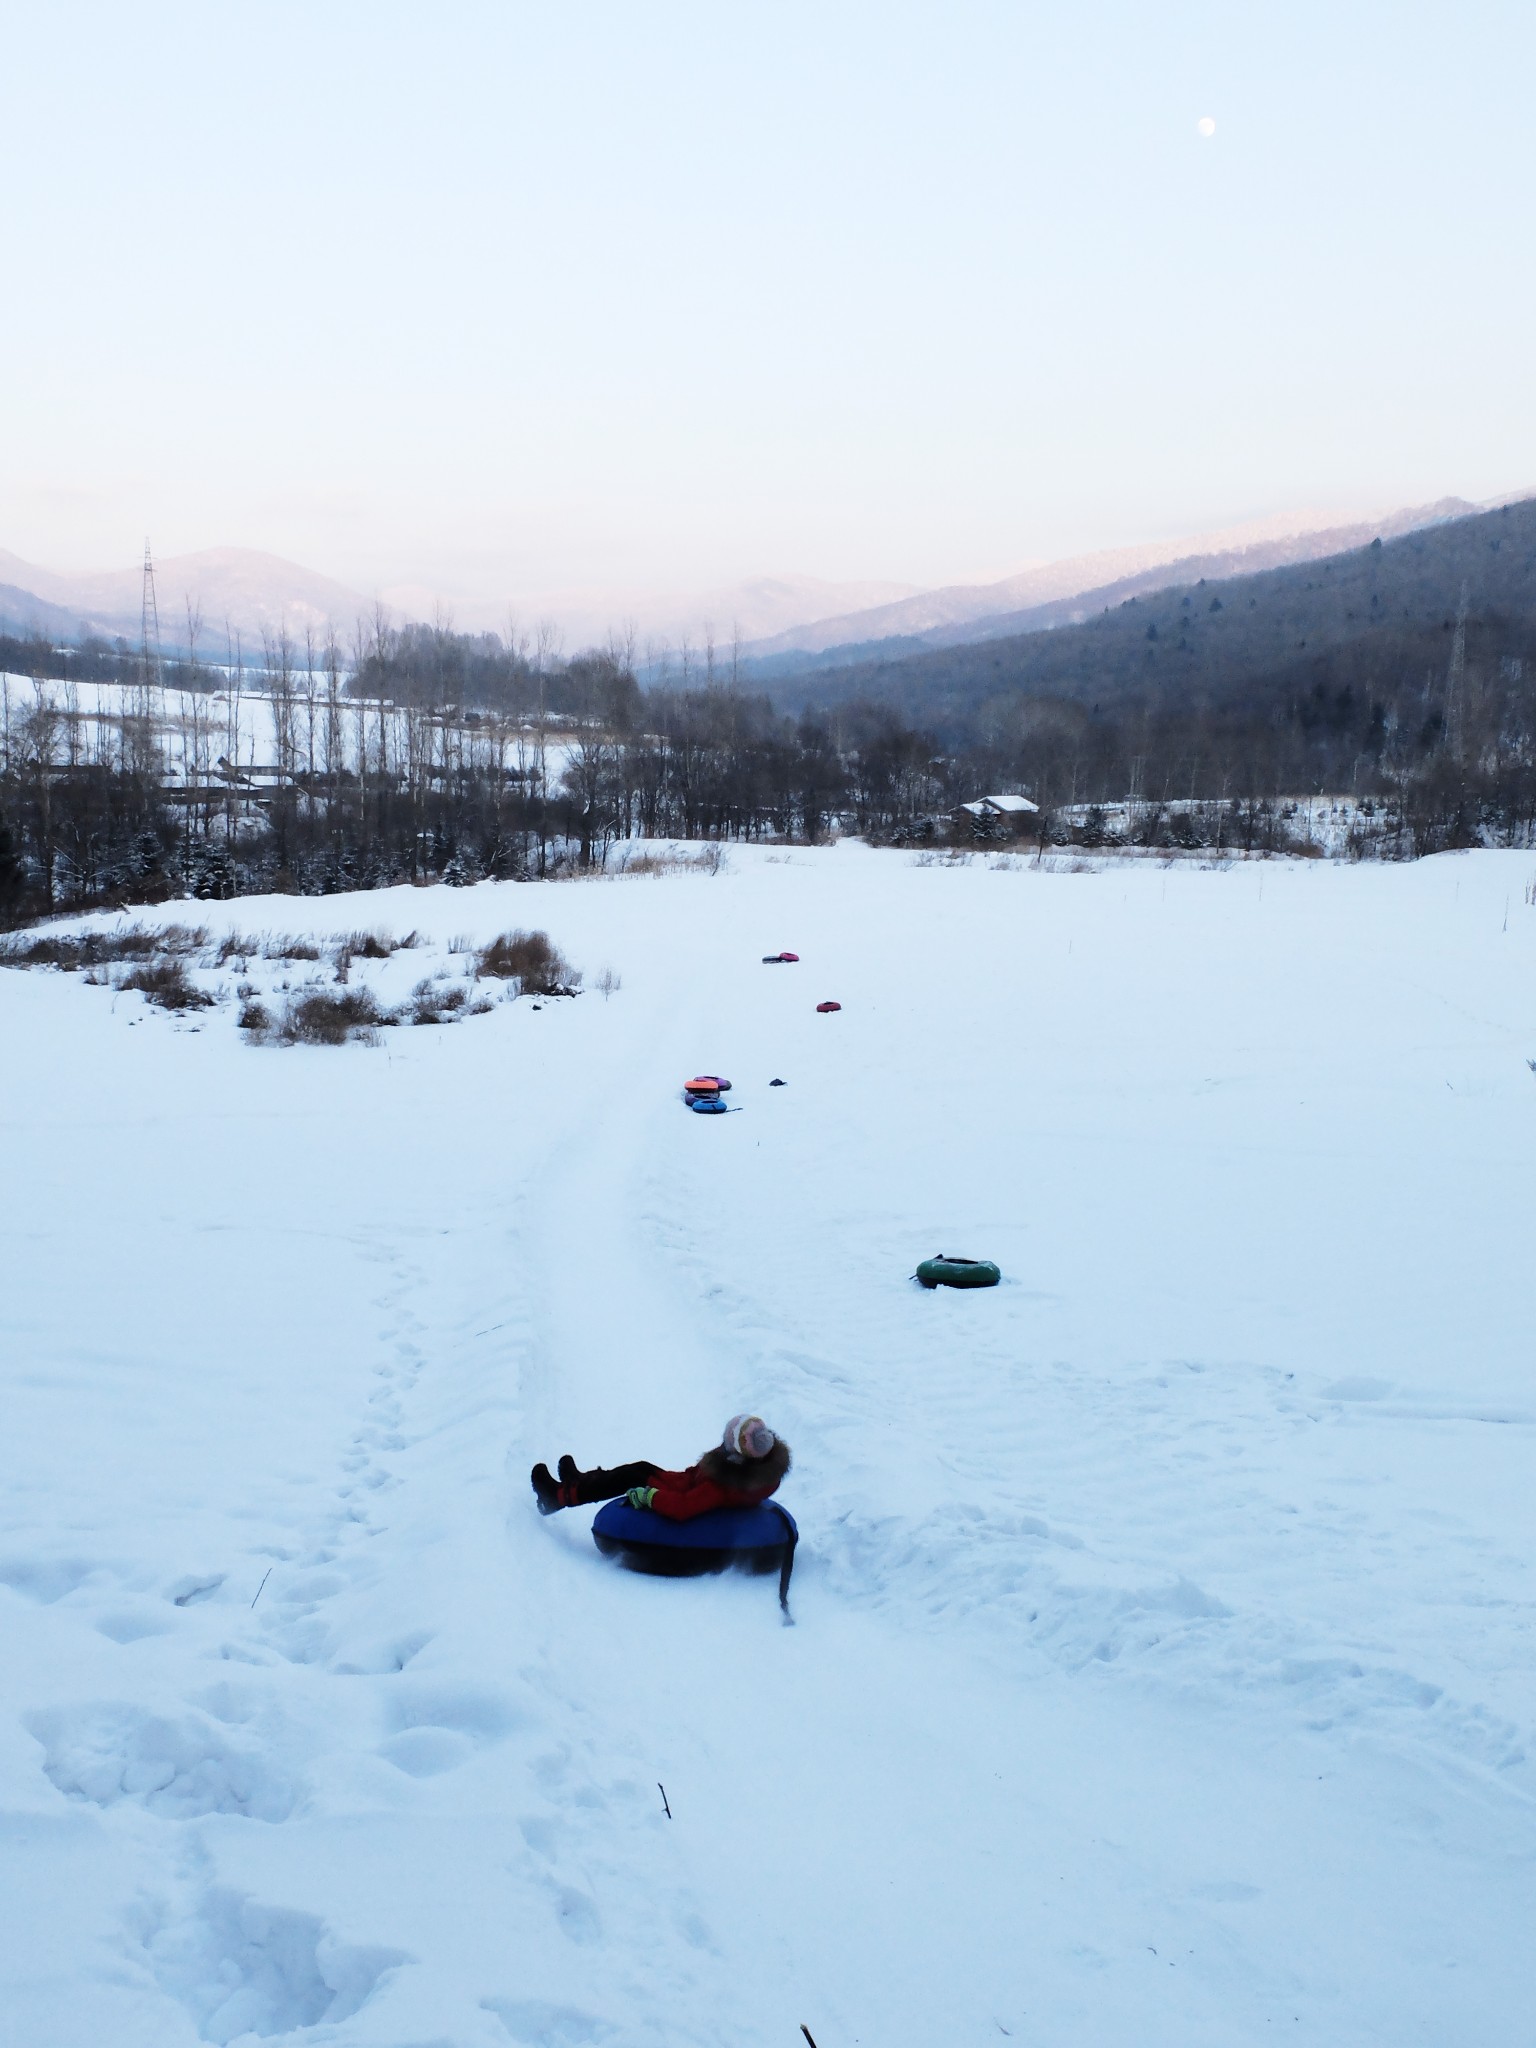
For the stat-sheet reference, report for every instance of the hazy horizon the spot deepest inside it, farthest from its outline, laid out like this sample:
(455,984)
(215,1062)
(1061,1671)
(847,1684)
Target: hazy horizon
(515,308)
(244,585)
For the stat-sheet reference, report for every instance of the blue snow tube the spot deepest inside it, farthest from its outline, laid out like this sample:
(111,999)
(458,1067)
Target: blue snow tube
(707,1105)
(755,1539)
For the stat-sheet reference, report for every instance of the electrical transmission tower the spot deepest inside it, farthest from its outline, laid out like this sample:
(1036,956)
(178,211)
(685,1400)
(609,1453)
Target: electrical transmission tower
(149,630)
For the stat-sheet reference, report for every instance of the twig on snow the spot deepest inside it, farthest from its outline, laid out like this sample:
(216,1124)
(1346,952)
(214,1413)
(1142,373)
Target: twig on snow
(663,1791)
(264,1578)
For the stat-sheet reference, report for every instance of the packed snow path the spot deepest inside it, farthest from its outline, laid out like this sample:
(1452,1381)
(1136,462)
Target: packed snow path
(1163,1659)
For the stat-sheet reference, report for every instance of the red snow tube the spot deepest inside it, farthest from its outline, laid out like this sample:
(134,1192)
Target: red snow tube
(826,1009)
(779,959)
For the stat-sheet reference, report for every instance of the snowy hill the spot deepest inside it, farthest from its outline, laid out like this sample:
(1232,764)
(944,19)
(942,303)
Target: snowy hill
(1043,595)
(1163,1654)
(253,592)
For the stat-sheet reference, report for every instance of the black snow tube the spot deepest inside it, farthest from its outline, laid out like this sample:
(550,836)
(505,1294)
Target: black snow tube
(756,1539)
(948,1271)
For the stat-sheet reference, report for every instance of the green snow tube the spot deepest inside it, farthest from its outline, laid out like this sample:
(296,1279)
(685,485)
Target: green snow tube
(946,1271)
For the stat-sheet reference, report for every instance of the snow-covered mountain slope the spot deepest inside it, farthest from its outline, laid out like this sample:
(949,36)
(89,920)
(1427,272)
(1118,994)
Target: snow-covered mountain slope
(960,612)
(252,591)
(752,609)
(256,593)
(1163,1659)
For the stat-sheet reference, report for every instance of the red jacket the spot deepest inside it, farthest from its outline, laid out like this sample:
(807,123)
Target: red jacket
(716,1483)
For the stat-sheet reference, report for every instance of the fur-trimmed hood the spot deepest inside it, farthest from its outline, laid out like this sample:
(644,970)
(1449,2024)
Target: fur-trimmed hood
(751,1475)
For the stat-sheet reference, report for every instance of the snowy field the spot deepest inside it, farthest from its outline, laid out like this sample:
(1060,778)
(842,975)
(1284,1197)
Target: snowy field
(195,727)
(1163,1664)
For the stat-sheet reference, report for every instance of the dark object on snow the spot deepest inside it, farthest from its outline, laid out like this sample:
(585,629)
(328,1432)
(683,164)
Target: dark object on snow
(778,1084)
(566,1493)
(948,1271)
(720,1479)
(826,1009)
(779,959)
(756,1539)
(547,1493)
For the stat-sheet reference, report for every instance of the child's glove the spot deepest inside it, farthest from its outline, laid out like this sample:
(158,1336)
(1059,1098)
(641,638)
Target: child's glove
(640,1496)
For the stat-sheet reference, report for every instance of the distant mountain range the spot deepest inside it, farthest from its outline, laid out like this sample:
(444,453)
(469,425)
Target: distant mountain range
(1371,620)
(253,592)
(757,608)
(789,624)
(1066,592)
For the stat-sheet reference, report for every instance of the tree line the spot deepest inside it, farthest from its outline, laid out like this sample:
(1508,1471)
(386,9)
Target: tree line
(426,756)
(422,754)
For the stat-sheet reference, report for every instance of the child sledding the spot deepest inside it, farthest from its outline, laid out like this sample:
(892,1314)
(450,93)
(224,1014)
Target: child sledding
(715,1516)
(743,1470)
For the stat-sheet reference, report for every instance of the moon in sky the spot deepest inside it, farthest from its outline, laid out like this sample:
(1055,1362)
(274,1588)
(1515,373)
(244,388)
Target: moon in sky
(1206,126)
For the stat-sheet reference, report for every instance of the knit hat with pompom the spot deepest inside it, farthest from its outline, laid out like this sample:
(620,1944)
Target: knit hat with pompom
(747,1436)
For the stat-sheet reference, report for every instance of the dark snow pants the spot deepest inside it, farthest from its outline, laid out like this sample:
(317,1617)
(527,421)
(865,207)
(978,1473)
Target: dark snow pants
(601,1485)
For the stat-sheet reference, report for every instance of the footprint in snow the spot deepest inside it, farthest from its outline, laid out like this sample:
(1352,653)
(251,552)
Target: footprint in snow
(539,2025)
(176,1768)
(242,1968)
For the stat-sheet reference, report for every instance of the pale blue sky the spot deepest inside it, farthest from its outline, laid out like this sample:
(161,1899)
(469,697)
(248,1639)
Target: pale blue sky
(513,297)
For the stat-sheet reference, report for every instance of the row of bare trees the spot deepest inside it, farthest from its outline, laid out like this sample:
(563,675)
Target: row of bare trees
(421,754)
(292,774)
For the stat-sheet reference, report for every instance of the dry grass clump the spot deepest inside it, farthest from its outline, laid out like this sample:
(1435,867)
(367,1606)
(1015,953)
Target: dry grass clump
(165,984)
(323,1016)
(157,963)
(368,946)
(702,860)
(71,950)
(379,945)
(532,960)
(436,1002)
(440,1001)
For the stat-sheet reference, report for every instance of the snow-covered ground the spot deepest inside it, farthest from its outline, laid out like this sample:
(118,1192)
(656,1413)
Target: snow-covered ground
(1163,1659)
(196,728)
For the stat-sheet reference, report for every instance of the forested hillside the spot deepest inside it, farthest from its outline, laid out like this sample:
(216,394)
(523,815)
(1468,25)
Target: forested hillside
(1405,669)
(1376,624)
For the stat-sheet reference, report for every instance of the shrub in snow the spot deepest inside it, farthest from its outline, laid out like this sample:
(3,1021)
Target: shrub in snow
(95,949)
(531,960)
(165,983)
(436,1002)
(329,1016)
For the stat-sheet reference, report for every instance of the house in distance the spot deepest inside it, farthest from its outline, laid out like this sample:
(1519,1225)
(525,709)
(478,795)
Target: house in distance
(994,817)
